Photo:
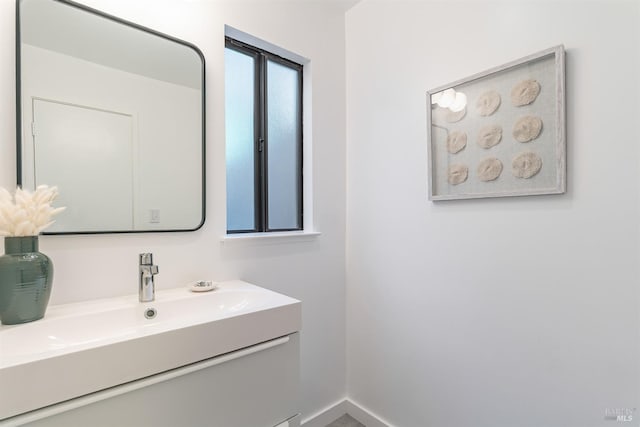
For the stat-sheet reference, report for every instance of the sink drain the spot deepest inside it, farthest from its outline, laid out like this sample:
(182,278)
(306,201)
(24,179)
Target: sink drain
(150,313)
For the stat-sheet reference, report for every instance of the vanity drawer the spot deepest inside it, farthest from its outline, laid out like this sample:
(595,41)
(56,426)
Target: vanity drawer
(253,387)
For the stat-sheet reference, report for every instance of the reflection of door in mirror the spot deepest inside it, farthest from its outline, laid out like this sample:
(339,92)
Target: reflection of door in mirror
(71,141)
(122,111)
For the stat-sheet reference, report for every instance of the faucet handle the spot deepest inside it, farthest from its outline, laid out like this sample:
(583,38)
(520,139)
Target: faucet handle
(146,258)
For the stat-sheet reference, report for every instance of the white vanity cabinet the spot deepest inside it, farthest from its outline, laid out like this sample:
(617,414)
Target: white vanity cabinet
(226,358)
(252,387)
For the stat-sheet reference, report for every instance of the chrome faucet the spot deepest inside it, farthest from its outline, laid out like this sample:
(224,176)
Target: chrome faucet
(146,289)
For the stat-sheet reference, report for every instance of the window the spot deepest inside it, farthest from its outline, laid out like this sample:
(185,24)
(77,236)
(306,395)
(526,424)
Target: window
(263,120)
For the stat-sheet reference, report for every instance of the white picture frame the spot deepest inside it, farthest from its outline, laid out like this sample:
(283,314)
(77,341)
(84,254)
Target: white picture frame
(500,132)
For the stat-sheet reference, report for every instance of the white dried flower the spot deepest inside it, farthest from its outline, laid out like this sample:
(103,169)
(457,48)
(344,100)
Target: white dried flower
(27,213)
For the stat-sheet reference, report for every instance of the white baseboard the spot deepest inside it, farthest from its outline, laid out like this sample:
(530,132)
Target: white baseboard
(338,409)
(327,415)
(364,415)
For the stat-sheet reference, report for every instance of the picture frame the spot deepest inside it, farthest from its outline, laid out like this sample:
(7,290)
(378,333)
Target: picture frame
(500,132)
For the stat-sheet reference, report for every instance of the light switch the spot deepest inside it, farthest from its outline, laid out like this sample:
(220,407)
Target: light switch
(155,216)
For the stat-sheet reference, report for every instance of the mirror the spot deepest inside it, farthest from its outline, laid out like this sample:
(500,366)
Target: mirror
(113,114)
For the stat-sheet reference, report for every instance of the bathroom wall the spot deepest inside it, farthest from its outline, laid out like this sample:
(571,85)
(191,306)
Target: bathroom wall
(313,269)
(516,311)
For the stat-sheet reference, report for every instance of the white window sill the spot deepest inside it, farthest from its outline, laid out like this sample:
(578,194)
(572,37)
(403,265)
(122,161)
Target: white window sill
(269,237)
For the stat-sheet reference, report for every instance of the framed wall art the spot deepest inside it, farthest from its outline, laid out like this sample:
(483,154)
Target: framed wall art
(500,132)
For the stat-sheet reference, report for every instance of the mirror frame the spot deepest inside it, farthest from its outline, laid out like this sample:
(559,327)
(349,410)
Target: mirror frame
(19,128)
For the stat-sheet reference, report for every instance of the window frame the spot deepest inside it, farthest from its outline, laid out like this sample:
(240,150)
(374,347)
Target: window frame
(261,140)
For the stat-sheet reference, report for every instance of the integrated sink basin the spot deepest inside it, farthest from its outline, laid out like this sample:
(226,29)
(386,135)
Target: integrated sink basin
(85,347)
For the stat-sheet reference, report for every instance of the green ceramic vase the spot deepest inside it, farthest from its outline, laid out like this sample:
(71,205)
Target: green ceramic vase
(25,281)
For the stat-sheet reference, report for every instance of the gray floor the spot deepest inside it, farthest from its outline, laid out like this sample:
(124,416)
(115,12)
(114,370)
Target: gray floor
(346,421)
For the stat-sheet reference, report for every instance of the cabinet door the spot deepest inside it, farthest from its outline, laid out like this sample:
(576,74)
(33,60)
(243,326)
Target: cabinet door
(256,390)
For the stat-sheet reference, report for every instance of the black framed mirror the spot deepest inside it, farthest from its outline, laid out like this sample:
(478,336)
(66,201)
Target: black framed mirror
(113,114)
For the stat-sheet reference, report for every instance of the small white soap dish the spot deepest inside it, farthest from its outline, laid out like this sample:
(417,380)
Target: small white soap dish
(203,286)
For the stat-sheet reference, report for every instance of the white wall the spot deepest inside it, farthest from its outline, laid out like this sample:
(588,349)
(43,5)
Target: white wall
(311,270)
(503,312)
